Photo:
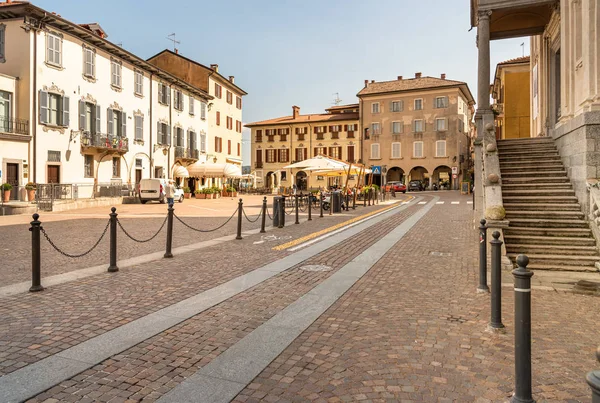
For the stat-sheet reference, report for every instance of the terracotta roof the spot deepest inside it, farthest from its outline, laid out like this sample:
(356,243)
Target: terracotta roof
(410,84)
(313,118)
(13,3)
(523,59)
(349,106)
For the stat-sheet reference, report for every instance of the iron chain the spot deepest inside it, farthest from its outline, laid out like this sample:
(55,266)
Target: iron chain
(76,255)
(142,240)
(210,230)
(249,220)
(269,214)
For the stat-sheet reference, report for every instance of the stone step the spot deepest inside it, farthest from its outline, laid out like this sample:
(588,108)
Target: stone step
(542,206)
(548,222)
(567,260)
(512,214)
(537,192)
(518,149)
(525,174)
(522,239)
(527,140)
(547,231)
(539,199)
(531,152)
(507,163)
(532,186)
(562,267)
(533,168)
(552,249)
(542,179)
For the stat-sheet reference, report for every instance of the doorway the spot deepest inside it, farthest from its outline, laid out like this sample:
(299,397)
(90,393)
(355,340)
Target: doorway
(53,174)
(301,182)
(12,177)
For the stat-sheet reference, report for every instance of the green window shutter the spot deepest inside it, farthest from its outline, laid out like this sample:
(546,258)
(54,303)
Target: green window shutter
(43,107)
(98,124)
(124,124)
(81,115)
(65,111)
(109,121)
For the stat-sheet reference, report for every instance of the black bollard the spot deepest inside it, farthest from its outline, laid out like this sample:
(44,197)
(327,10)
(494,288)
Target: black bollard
(281,212)
(321,204)
(496,300)
(593,379)
(347,200)
(483,287)
(297,216)
(168,253)
(36,255)
(354,199)
(309,206)
(264,216)
(239,226)
(522,332)
(113,241)
(364,199)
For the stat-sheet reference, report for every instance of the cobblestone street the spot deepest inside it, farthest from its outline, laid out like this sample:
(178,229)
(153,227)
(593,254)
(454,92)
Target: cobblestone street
(411,328)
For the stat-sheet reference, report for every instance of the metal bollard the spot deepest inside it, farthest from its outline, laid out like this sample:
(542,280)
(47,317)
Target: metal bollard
(365,199)
(321,204)
(593,379)
(36,255)
(239,226)
(112,267)
(168,253)
(297,216)
(483,287)
(264,216)
(522,332)
(354,199)
(309,207)
(496,300)
(347,200)
(281,212)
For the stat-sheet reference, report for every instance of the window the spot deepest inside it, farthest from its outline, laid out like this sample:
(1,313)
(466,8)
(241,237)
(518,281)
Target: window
(116,167)
(418,126)
(375,128)
(89,117)
(396,106)
(164,94)
(300,154)
(440,125)
(139,128)
(138,163)
(375,107)
(239,149)
(397,127)
(2,43)
(418,104)
(229,97)
(375,151)
(218,144)
(418,149)
(192,143)
(54,109)
(218,91)
(202,142)
(229,147)
(139,83)
(440,148)
(203,110)
(115,70)
(238,126)
(179,137)
(259,136)
(218,118)
(192,102)
(270,155)
(320,151)
(53,156)
(54,50)
(238,102)
(89,62)
(351,154)
(441,102)
(88,166)
(335,129)
(116,123)
(229,122)
(163,134)
(396,150)
(178,104)
(335,152)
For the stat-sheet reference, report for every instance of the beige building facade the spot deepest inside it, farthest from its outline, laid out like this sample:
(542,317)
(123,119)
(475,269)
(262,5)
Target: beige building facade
(282,141)
(416,129)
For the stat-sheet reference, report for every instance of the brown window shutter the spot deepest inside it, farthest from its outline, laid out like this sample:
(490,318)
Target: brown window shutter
(297,130)
(340,153)
(316,151)
(259,132)
(350,153)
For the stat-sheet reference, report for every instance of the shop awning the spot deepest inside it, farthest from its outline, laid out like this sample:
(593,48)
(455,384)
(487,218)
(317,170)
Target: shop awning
(206,170)
(180,172)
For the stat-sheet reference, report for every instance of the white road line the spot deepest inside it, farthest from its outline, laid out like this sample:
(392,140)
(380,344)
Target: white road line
(439,202)
(422,203)
(455,202)
(469,202)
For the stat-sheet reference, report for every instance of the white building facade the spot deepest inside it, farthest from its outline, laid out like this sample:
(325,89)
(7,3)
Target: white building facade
(81,110)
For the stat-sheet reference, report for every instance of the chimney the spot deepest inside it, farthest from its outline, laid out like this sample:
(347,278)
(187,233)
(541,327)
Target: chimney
(215,67)
(372,81)
(295,111)
(418,75)
(176,51)
(443,76)
(399,78)
(232,79)
(366,83)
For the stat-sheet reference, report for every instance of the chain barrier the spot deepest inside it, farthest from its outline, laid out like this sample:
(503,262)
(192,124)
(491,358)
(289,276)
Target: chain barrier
(249,220)
(142,240)
(302,203)
(201,230)
(79,255)
(269,214)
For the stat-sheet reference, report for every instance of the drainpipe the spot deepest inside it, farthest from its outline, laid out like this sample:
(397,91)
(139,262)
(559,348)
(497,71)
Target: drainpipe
(360,130)
(171,99)
(34,109)
(151,145)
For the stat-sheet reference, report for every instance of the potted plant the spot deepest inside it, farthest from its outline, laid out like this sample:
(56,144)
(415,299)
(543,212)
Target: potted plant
(230,192)
(216,192)
(30,186)
(199,194)
(6,188)
(187,192)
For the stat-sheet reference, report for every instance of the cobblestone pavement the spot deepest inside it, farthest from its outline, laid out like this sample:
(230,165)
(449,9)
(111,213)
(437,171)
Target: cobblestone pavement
(150,369)
(34,326)
(413,329)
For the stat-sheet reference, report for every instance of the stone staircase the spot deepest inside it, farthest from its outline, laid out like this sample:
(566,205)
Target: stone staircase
(546,221)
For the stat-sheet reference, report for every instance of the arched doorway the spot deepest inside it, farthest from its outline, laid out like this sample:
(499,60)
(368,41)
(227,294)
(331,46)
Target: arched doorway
(271,180)
(419,174)
(442,176)
(395,174)
(301,182)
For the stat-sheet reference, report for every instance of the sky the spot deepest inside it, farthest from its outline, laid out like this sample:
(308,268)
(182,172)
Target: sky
(301,52)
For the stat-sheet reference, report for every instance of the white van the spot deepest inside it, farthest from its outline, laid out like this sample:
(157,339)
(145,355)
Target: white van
(154,189)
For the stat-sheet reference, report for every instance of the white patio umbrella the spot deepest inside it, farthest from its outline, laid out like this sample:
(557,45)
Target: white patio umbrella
(320,162)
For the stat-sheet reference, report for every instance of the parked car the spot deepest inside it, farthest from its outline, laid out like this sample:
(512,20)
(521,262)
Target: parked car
(154,190)
(396,187)
(415,186)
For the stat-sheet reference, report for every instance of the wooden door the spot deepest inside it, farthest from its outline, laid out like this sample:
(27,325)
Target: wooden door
(12,177)
(53,174)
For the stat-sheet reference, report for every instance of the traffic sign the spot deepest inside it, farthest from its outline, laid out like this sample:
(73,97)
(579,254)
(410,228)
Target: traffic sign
(455,170)
(454,176)
(376,169)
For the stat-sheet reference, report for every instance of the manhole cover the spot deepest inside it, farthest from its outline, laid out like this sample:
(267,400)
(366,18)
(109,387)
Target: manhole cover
(440,253)
(316,267)
(456,319)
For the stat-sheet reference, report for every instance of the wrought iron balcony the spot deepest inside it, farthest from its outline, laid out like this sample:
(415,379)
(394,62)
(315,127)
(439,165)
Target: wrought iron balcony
(104,142)
(186,153)
(258,164)
(14,126)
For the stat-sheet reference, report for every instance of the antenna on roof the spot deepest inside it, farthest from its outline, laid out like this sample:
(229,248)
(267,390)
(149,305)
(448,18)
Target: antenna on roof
(120,44)
(175,42)
(523,48)
(337,100)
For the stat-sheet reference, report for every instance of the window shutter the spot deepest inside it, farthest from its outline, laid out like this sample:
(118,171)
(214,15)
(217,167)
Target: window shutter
(160,92)
(65,111)
(445,101)
(43,107)
(168,90)
(123,124)
(350,153)
(316,151)
(159,133)
(168,135)
(98,125)
(315,129)
(81,115)
(391,106)
(340,153)
(109,121)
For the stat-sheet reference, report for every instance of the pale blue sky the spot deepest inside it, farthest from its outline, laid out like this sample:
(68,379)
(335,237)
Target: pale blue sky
(300,52)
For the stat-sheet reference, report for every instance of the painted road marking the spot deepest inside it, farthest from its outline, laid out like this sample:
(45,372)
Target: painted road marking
(455,202)
(422,203)
(469,202)
(439,202)
(345,224)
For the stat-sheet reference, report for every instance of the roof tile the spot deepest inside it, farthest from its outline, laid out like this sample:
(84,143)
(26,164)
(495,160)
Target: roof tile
(408,85)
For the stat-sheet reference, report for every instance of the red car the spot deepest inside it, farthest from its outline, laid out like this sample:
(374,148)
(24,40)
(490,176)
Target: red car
(396,187)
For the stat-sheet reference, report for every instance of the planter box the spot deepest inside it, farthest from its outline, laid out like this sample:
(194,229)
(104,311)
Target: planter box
(31,195)
(200,196)
(187,195)
(6,195)
(229,194)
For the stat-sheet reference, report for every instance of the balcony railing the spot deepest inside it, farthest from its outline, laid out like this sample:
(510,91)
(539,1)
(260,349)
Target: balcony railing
(16,126)
(186,153)
(258,164)
(320,136)
(335,136)
(350,135)
(105,142)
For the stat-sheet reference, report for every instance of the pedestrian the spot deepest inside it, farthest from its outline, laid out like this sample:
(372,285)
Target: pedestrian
(170,192)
